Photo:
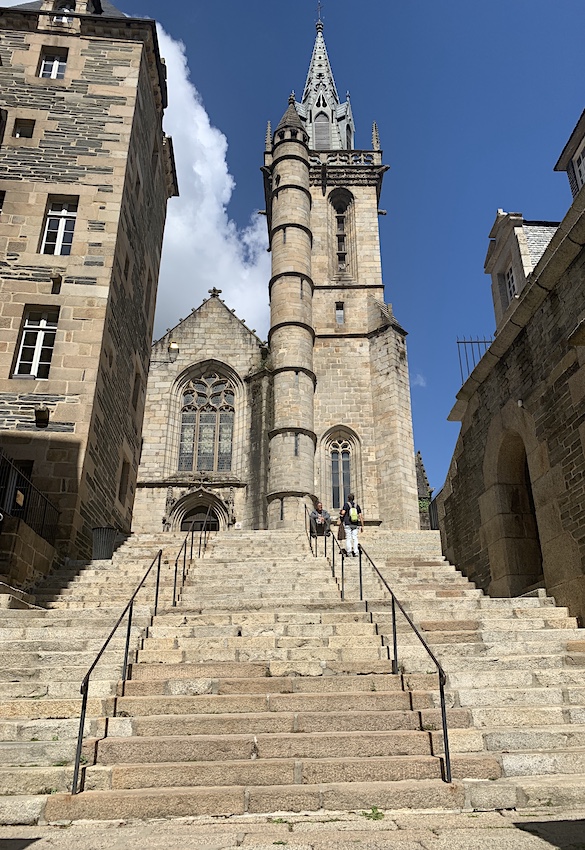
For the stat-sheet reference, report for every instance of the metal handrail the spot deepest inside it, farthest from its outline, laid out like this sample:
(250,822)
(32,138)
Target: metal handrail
(315,538)
(203,534)
(20,499)
(335,543)
(183,552)
(84,690)
(440,672)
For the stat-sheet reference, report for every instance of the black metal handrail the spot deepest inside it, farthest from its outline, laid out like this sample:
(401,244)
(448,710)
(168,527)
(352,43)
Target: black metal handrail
(440,672)
(20,499)
(84,690)
(314,538)
(203,534)
(203,537)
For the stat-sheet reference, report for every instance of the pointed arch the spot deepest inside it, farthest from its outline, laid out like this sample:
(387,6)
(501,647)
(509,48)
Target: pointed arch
(340,466)
(322,132)
(342,253)
(207,412)
(194,507)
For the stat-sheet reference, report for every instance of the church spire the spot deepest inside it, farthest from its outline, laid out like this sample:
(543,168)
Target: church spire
(328,122)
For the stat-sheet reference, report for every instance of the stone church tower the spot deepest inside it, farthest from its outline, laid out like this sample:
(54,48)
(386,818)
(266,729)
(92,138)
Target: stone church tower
(255,433)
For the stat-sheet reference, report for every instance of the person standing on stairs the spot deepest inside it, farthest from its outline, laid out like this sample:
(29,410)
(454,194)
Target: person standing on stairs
(351,516)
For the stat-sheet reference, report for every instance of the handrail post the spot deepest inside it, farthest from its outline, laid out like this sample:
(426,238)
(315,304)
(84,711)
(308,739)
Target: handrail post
(175,581)
(192,534)
(127,649)
(394,638)
(447,754)
(342,576)
(84,691)
(184,566)
(361,576)
(156,592)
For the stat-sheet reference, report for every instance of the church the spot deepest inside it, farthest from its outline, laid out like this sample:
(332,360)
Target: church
(248,433)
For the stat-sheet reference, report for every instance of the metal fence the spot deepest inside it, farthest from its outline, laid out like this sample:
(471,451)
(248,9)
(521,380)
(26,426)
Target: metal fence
(19,498)
(470,352)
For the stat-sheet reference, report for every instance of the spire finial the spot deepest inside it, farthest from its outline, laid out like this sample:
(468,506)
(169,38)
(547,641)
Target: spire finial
(268,139)
(375,137)
(291,98)
(319,24)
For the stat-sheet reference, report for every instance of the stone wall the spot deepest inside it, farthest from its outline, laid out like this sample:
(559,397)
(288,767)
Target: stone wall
(210,339)
(25,557)
(97,137)
(513,507)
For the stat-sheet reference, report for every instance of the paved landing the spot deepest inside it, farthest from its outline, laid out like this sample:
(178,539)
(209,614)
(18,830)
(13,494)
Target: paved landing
(523,830)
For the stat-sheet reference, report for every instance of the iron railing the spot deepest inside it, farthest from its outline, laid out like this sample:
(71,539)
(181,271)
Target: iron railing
(470,352)
(20,499)
(395,663)
(182,555)
(314,538)
(129,609)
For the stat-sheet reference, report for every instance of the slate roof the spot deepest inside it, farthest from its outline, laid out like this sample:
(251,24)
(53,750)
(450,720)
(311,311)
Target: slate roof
(108,9)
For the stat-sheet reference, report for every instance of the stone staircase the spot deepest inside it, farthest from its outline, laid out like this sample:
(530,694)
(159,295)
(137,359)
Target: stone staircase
(44,655)
(263,691)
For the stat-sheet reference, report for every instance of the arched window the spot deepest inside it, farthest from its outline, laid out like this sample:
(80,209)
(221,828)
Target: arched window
(322,132)
(207,425)
(342,203)
(340,459)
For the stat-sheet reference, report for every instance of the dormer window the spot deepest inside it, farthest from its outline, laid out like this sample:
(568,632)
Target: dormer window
(579,165)
(511,288)
(65,9)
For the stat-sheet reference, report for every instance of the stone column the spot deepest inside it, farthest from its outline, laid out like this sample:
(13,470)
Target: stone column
(292,438)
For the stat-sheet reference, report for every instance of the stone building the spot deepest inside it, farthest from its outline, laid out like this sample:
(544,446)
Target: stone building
(85,174)
(512,511)
(254,432)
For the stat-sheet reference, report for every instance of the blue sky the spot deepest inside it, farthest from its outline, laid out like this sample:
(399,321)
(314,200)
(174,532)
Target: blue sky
(474,102)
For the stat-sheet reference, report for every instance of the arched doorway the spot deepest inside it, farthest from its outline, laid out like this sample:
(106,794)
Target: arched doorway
(513,539)
(193,507)
(196,519)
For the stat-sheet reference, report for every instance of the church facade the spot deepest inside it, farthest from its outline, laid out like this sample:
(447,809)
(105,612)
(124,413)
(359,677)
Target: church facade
(249,433)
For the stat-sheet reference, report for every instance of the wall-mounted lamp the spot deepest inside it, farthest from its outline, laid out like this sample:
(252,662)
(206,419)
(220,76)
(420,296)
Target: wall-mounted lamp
(41,416)
(173,350)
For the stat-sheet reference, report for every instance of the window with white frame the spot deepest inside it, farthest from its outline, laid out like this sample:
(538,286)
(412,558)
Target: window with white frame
(63,7)
(53,63)
(511,289)
(207,424)
(37,342)
(579,165)
(59,226)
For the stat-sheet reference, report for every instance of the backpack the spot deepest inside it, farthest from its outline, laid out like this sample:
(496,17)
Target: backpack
(353,514)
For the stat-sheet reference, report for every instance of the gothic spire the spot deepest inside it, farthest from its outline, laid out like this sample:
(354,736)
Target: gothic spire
(328,122)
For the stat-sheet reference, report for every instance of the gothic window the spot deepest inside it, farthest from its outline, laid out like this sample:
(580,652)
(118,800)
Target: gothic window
(341,202)
(322,132)
(207,425)
(340,458)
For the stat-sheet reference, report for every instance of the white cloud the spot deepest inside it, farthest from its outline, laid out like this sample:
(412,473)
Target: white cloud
(418,380)
(203,247)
